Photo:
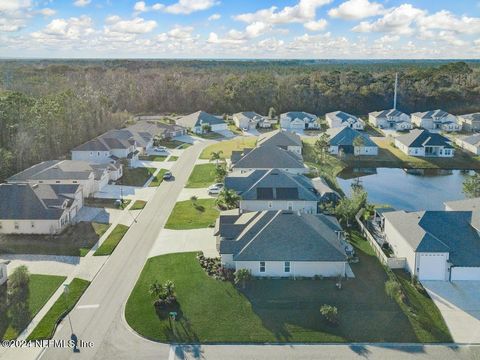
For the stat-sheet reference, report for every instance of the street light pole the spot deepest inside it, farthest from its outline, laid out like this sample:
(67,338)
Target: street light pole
(66,290)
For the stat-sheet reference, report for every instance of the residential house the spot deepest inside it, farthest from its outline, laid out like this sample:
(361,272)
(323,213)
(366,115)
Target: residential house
(250,120)
(282,244)
(38,208)
(470,143)
(348,141)
(341,119)
(267,157)
(65,172)
(436,245)
(436,120)
(392,119)
(286,140)
(3,273)
(298,120)
(157,129)
(469,122)
(195,122)
(274,189)
(424,143)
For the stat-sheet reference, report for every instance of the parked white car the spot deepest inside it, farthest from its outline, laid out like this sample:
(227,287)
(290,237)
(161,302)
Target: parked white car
(160,149)
(215,188)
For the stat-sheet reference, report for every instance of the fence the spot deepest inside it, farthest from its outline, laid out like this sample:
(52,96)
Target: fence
(391,262)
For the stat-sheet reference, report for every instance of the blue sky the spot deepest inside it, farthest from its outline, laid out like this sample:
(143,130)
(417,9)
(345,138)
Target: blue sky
(240,29)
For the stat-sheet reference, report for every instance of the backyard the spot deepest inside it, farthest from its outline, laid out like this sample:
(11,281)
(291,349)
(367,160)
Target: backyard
(275,310)
(189,214)
(202,176)
(40,289)
(227,146)
(76,240)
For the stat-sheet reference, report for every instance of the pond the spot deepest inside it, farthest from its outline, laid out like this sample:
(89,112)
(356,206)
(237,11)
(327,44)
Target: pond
(410,190)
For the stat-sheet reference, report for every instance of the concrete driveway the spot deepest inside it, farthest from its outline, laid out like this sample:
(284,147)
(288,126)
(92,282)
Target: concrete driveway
(128,192)
(226,133)
(250,132)
(459,303)
(106,215)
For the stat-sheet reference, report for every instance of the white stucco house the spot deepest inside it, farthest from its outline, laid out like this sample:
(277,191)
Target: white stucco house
(469,122)
(39,208)
(298,120)
(470,143)
(423,143)
(282,244)
(248,120)
(391,119)
(195,122)
(342,119)
(437,245)
(283,139)
(345,140)
(437,120)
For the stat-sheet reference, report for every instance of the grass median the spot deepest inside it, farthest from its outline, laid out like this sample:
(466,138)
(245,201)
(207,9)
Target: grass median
(111,242)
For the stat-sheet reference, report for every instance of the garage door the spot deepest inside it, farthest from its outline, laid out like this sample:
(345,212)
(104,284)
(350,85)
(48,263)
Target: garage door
(431,267)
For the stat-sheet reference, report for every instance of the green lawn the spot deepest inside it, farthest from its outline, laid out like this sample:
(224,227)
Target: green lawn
(157,180)
(135,176)
(173,158)
(138,205)
(64,304)
(273,310)
(172,144)
(186,216)
(105,203)
(202,176)
(227,146)
(76,240)
(153,157)
(111,242)
(40,288)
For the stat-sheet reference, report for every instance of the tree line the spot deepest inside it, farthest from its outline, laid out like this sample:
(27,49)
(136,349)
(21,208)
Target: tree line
(48,107)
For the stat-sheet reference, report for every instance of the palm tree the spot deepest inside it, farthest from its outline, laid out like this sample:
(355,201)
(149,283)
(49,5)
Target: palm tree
(228,198)
(169,287)
(156,290)
(216,156)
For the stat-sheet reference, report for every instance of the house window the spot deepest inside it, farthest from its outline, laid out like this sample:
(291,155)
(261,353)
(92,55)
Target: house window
(262,266)
(98,153)
(75,181)
(16,226)
(290,206)
(57,182)
(1,226)
(32,224)
(40,182)
(270,204)
(91,152)
(286,267)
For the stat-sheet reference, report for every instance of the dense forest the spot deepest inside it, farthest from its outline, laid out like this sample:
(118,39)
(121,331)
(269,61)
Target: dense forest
(49,106)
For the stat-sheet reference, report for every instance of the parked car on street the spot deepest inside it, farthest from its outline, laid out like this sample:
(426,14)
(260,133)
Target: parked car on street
(215,188)
(168,176)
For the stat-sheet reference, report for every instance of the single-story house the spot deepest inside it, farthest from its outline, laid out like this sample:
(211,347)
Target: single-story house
(274,189)
(195,122)
(422,143)
(267,157)
(286,140)
(436,245)
(38,208)
(3,273)
(157,129)
(436,120)
(341,119)
(250,120)
(71,172)
(298,120)
(390,119)
(349,141)
(469,122)
(282,244)
(470,143)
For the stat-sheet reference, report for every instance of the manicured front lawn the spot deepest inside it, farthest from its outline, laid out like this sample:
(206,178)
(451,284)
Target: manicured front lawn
(40,289)
(202,176)
(228,146)
(135,176)
(173,158)
(273,310)
(172,144)
(105,203)
(158,179)
(111,242)
(189,215)
(64,304)
(138,205)
(153,157)
(76,240)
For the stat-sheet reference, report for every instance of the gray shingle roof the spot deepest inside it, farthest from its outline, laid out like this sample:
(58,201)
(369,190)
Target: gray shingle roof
(421,138)
(471,139)
(268,157)
(299,115)
(345,136)
(284,236)
(471,117)
(440,231)
(342,116)
(278,181)
(27,202)
(92,145)
(279,138)
(390,113)
(55,170)
(198,119)
(432,114)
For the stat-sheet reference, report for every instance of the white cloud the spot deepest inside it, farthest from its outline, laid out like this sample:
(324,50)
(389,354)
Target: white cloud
(81,3)
(47,12)
(445,20)
(357,9)
(186,7)
(213,38)
(136,25)
(214,17)
(318,25)
(14,14)
(74,28)
(141,6)
(14,5)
